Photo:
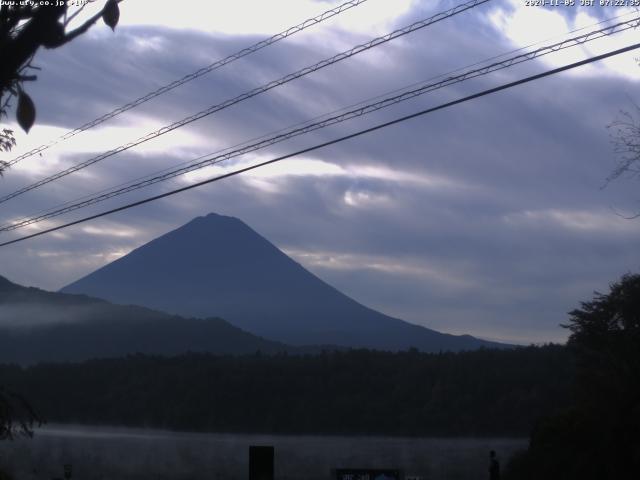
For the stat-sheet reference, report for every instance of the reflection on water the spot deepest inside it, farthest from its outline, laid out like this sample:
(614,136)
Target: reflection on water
(123,453)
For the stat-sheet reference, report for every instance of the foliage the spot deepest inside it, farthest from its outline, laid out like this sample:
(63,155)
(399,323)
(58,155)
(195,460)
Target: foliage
(485,392)
(17,417)
(7,142)
(605,334)
(599,437)
(5,475)
(24,28)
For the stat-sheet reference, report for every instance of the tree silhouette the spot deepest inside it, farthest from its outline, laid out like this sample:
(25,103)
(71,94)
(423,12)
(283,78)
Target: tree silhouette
(606,339)
(599,436)
(625,136)
(24,28)
(17,416)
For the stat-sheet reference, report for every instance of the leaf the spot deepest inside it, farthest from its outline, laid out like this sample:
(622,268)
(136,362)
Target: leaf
(52,35)
(26,111)
(111,13)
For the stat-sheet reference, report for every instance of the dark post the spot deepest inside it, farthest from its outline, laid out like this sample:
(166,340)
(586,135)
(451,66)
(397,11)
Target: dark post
(260,463)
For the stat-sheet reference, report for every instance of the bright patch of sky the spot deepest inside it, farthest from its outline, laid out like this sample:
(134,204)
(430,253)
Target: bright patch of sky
(257,17)
(532,27)
(420,268)
(96,141)
(310,167)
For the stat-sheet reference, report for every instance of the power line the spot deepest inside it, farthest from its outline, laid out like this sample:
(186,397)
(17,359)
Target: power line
(192,76)
(252,93)
(334,141)
(169,173)
(342,109)
(348,115)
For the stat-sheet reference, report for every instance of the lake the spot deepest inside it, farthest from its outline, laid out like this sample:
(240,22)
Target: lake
(126,453)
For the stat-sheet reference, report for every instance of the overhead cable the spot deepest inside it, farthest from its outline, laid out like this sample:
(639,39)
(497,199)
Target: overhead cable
(192,76)
(332,142)
(348,115)
(252,93)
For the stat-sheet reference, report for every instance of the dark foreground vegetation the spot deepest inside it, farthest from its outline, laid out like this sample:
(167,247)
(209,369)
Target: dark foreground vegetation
(486,392)
(598,436)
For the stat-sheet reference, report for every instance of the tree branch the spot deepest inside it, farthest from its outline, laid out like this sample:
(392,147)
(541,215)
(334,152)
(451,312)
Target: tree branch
(84,27)
(76,13)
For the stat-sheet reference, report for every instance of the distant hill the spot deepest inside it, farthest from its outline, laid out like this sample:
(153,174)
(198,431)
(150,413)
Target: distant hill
(218,266)
(36,325)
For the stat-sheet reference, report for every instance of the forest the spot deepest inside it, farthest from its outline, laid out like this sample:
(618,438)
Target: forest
(486,392)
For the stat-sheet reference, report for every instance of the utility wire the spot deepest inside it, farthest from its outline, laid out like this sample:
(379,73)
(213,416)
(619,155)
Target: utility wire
(345,108)
(357,112)
(334,141)
(318,117)
(334,112)
(192,76)
(252,93)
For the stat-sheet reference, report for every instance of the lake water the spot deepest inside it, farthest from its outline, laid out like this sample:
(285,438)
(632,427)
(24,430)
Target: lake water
(123,453)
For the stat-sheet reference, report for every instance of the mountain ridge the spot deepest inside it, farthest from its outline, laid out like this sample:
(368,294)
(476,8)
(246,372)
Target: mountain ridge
(40,326)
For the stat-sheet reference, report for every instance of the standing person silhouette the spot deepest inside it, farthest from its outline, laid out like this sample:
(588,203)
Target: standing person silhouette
(494,466)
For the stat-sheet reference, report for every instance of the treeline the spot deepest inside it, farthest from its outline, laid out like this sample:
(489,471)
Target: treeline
(484,392)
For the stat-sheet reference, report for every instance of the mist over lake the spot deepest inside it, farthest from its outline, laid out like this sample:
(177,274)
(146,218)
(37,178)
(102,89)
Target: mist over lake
(123,453)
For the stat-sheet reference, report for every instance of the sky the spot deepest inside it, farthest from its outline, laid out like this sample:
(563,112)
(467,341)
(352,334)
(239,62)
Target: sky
(492,217)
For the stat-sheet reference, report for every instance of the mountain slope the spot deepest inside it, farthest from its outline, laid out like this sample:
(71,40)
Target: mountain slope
(217,265)
(44,326)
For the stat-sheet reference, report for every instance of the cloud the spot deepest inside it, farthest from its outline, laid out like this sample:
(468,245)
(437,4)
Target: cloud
(20,316)
(110,232)
(533,27)
(576,220)
(273,177)
(257,17)
(94,142)
(417,267)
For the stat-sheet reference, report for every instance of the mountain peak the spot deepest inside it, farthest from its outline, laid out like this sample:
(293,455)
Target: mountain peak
(212,221)
(216,217)
(217,265)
